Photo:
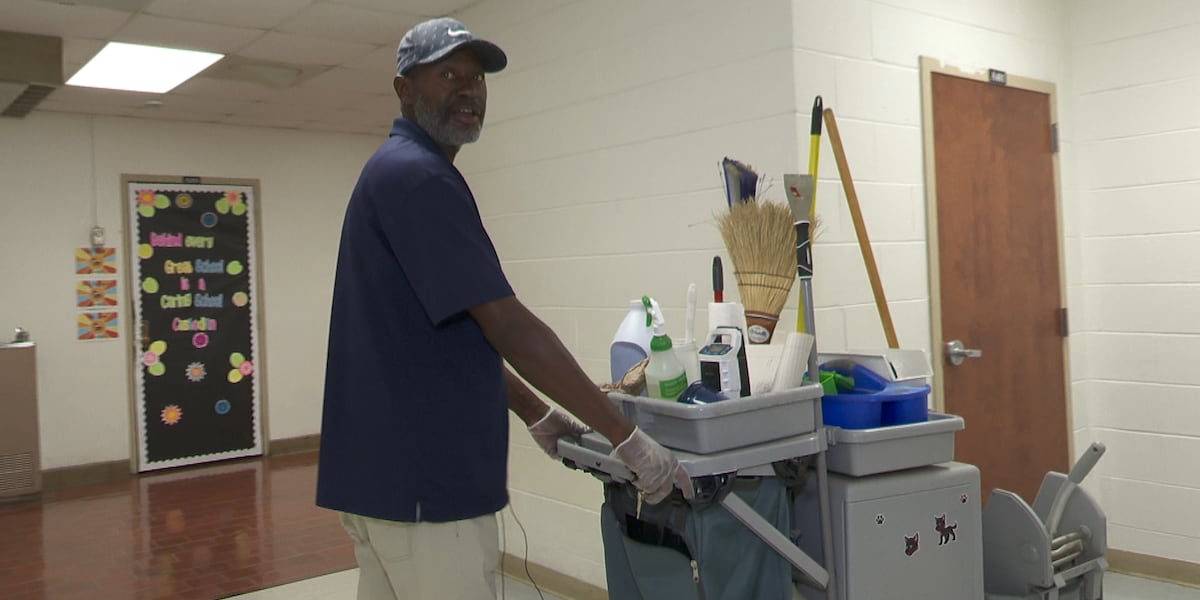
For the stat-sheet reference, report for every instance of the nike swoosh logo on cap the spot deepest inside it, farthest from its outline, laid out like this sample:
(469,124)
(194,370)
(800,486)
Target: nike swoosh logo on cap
(457,32)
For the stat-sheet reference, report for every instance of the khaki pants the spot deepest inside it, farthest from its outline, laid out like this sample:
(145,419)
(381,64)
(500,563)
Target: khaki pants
(454,560)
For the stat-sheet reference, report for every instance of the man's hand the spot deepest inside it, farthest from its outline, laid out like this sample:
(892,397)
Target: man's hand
(547,430)
(655,469)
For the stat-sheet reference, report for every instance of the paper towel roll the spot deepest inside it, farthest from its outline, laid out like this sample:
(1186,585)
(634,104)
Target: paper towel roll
(726,314)
(793,363)
(763,361)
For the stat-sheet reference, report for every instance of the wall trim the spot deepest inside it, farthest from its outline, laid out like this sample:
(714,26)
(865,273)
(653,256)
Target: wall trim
(118,470)
(1154,567)
(549,580)
(295,445)
(92,473)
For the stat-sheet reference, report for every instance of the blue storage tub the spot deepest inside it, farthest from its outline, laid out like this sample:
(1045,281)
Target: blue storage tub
(874,401)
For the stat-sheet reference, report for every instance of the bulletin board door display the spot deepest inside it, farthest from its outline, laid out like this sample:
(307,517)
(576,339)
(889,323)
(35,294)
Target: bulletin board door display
(197,374)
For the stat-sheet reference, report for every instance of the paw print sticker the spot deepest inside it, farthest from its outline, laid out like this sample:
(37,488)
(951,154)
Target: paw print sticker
(879,519)
(963,499)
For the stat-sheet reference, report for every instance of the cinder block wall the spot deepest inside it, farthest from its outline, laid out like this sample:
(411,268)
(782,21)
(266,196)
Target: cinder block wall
(1135,81)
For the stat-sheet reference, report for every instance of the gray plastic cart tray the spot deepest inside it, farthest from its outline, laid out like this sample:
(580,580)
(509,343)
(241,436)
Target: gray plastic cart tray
(859,452)
(733,423)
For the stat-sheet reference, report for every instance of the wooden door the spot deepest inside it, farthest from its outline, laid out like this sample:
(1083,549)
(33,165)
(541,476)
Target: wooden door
(997,282)
(197,374)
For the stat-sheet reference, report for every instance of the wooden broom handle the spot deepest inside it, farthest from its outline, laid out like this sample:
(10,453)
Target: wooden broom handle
(860,229)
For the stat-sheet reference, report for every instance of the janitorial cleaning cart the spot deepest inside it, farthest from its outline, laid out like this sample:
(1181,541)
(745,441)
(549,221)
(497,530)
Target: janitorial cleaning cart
(733,539)
(887,513)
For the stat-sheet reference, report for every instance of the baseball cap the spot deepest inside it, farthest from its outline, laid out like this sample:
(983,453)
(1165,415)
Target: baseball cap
(433,40)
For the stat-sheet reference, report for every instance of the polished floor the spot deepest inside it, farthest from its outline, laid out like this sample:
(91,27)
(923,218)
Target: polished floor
(195,533)
(245,529)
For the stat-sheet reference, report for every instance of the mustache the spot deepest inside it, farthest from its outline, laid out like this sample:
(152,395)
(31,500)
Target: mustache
(475,107)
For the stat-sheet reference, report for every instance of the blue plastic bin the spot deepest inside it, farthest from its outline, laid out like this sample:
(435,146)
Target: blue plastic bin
(874,401)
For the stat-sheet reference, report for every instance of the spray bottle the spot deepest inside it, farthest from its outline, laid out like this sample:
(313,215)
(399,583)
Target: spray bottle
(665,375)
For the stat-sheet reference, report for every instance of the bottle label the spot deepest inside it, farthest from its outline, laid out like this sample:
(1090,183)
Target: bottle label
(672,388)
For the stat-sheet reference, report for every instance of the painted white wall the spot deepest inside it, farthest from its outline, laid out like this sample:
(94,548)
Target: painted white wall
(1136,79)
(59,170)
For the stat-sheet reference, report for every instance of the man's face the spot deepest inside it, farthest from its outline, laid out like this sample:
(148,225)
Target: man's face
(449,98)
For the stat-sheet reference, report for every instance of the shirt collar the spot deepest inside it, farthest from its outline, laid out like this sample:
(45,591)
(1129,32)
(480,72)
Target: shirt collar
(402,127)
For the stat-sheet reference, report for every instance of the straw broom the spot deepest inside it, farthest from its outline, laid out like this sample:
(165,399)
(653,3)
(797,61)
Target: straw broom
(761,240)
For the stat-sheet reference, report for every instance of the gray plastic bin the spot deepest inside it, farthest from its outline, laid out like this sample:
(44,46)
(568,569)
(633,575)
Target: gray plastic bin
(859,452)
(733,423)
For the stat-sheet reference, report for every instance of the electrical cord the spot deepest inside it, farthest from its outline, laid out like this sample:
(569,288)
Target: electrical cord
(525,536)
(503,551)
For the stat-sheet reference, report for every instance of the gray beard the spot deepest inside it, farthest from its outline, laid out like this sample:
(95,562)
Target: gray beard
(437,124)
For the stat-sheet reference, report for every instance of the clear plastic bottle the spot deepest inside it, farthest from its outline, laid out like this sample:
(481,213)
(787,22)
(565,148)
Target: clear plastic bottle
(665,376)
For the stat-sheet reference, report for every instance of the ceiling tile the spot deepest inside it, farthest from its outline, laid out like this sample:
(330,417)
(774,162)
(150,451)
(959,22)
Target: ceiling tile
(85,98)
(121,5)
(212,107)
(77,51)
(326,97)
(204,87)
(342,22)
(176,33)
(292,48)
(48,18)
(121,111)
(382,60)
(353,80)
(420,8)
(265,121)
(257,14)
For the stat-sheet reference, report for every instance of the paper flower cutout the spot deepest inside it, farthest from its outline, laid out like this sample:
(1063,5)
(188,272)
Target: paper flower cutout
(200,340)
(151,358)
(171,414)
(149,202)
(222,407)
(183,201)
(232,203)
(196,372)
(241,367)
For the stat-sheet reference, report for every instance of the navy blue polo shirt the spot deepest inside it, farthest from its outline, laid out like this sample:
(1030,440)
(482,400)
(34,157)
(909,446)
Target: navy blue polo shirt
(415,424)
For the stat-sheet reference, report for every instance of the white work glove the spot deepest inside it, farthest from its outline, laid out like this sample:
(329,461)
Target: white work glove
(655,469)
(554,425)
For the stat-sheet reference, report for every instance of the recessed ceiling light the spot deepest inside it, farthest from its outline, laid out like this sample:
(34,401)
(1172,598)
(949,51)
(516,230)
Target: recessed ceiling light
(137,68)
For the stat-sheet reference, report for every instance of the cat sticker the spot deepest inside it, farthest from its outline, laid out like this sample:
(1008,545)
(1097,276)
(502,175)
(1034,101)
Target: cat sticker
(912,544)
(947,531)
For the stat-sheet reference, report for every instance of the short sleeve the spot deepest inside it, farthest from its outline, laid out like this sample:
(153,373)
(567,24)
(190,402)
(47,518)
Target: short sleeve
(438,238)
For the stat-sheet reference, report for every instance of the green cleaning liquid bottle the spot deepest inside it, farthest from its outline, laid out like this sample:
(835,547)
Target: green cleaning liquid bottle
(665,375)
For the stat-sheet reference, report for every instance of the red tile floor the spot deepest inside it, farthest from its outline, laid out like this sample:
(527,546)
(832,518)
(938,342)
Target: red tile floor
(200,532)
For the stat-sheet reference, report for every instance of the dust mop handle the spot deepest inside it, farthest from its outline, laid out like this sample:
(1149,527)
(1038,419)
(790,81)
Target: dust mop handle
(860,229)
(814,152)
(804,312)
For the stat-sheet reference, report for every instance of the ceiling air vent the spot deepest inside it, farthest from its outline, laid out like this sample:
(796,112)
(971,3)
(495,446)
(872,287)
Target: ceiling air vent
(30,69)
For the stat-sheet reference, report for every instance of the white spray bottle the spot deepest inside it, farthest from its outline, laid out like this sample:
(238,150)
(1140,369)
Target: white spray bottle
(631,343)
(665,375)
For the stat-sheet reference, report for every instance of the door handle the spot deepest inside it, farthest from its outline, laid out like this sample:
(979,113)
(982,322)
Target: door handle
(956,352)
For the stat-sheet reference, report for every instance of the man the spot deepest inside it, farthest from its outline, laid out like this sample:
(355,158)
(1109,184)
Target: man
(414,437)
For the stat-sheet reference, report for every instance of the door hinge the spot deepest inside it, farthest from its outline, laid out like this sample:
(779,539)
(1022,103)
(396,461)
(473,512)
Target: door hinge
(1063,328)
(1054,138)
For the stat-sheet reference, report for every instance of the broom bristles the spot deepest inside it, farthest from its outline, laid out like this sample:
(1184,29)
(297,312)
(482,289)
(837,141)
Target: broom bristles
(761,240)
